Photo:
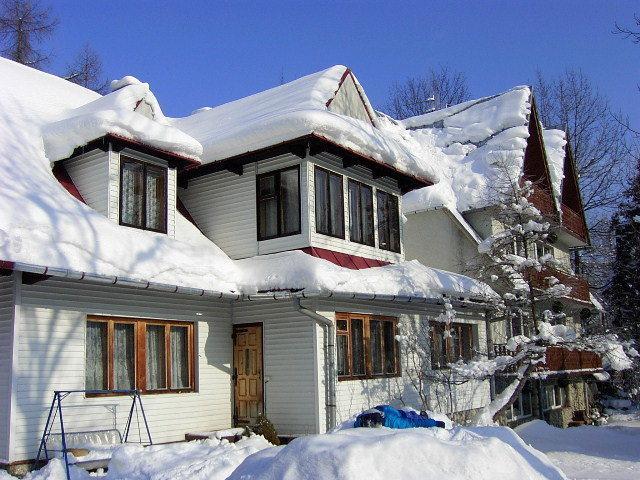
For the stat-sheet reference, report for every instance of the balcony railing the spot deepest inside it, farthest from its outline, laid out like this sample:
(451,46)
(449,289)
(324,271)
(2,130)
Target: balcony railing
(574,222)
(542,200)
(579,286)
(557,359)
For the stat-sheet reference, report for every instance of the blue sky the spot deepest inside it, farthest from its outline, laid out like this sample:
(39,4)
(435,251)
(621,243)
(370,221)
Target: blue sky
(204,53)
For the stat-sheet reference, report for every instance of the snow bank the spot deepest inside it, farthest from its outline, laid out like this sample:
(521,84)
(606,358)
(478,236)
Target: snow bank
(291,111)
(465,143)
(297,270)
(382,453)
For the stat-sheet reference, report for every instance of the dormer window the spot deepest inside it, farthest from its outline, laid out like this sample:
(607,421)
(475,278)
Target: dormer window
(143,195)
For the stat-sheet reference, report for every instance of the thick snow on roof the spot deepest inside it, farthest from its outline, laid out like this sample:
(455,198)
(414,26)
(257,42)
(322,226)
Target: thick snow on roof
(294,110)
(42,224)
(465,142)
(130,111)
(554,143)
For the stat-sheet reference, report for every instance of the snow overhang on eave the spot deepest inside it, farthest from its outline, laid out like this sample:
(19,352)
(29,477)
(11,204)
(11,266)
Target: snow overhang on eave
(118,143)
(312,144)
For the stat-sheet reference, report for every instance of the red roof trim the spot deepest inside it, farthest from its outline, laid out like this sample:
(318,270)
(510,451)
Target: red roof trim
(6,265)
(65,180)
(353,262)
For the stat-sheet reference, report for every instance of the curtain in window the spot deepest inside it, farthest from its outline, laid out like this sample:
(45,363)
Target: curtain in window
(389,348)
(322,201)
(357,345)
(341,346)
(123,356)
(268,207)
(179,359)
(355,218)
(290,201)
(376,346)
(383,220)
(96,356)
(132,194)
(156,365)
(367,215)
(336,194)
(394,224)
(156,198)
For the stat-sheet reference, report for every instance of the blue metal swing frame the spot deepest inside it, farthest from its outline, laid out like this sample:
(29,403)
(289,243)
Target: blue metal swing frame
(56,410)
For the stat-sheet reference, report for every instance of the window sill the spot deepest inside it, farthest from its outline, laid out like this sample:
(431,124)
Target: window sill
(339,237)
(266,239)
(352,378)
(148,392)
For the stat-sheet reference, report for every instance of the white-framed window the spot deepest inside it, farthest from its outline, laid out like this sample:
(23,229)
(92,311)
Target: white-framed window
(521,407)
(541,249)
(554,396)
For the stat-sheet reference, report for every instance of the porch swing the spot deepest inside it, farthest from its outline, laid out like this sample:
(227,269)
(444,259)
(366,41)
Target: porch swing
(104,436)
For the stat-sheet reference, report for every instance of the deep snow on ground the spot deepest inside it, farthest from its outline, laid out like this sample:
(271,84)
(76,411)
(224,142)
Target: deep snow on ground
(604,453)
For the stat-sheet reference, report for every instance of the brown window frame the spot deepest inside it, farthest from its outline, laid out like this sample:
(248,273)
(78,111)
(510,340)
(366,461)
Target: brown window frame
(278,197)
(140,329)
(366,325)
(453,352)
(329,174)
(392,203)
(124,160)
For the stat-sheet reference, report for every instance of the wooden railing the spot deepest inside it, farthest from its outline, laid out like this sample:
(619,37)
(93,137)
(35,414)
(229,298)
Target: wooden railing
(541,199)
(557,358)
(579,286)
(574,222)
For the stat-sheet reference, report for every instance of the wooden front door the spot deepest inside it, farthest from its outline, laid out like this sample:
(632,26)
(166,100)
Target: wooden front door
(247,370)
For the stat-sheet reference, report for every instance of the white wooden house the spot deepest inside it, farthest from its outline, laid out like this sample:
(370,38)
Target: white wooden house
(218,263)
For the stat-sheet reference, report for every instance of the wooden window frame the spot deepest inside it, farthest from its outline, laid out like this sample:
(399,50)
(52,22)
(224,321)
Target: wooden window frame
(329,174)
(140,329)
(360,186)
(366,319)
(165,170)
(393,203)
(279,226)
(451,353)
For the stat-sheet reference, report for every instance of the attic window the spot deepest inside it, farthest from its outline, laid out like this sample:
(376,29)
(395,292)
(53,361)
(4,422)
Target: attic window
(143,195)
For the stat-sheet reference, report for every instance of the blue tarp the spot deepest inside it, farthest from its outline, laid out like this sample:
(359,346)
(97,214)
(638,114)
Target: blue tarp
(387,416)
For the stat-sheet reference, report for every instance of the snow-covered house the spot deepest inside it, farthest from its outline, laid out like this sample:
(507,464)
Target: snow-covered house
(245,259)
(469,143)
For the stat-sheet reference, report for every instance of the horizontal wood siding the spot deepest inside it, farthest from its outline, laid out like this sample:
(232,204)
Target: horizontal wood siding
(6,354)
(361,174)
(223,205)
(90,174)
(289,363)
(52,356)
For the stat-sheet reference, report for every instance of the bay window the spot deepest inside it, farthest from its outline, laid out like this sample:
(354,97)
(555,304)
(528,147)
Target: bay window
(361,213)
(449,343)
(329,193)
(148,355)
(278,198)
(366,346)
(388,222)
(143,195)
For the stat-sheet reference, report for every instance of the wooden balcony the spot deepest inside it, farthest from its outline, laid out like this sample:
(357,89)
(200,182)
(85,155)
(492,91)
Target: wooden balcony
(579,286)
(542,200)
(561,359)
(574,222)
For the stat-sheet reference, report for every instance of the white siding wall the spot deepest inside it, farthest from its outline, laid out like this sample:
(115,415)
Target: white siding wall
(6,360)
(347,101)
(223,205)
(363,175)
(90,174)
(291,399)
(52,350)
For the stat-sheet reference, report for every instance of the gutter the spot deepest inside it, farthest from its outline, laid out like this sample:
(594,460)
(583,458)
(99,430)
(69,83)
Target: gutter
(329,361)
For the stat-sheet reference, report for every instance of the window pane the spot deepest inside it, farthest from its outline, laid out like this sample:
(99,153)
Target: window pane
(156,198)
(156,365)
(96,356)
(389,348)
(438,346)
(355,217)
(342,325)
(394,224)
(375,335)
(132,191)
(517,406)
(526,403)
(341,347)
(322,201)
(336,196)
(357,346)
(267,209)
(123,356)
(383,220)
(179,357)
(290,201)
(367,215)
(466,340)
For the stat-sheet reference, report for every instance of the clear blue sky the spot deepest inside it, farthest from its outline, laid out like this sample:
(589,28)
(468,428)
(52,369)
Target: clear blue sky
(204,53)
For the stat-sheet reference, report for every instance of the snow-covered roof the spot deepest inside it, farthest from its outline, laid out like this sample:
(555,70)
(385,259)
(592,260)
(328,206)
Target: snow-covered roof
(294,110)
(465,142)
(554,145)
(41,224)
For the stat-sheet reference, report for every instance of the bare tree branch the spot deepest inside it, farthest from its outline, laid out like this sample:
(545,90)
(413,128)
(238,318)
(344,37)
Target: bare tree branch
(86,70)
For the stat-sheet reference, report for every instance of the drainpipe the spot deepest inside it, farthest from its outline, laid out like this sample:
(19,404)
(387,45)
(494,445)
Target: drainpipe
(329,360)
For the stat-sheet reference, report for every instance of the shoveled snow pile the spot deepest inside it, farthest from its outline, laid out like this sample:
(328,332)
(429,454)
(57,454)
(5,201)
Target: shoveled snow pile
(466,142)
(293,110)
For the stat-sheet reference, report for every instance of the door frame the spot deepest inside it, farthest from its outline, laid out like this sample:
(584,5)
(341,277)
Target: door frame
(234,378)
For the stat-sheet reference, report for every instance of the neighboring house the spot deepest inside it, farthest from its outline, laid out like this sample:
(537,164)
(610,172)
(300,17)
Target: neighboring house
(447,222)
(220,263)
